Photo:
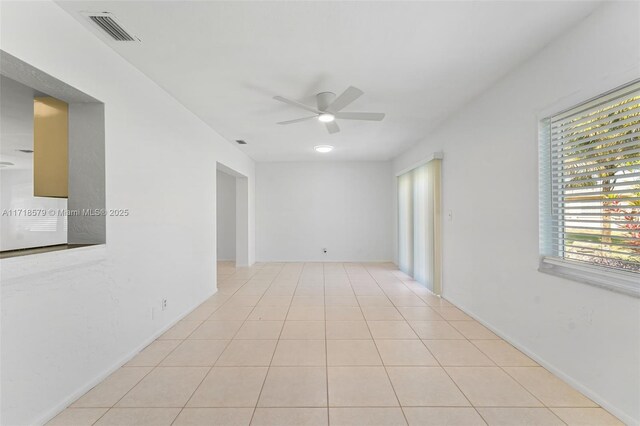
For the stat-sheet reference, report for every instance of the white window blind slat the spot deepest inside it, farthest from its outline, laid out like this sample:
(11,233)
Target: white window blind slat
(570,228)
(576,210)
(591,194)
(621,183)
(585,203)
(590,239)
(599,103)
(598,126)
(568,222)
(628,112)
(597,167)
(606,259)
(587,156)
(618,134)
(611,141)
(589,249)
(589,159)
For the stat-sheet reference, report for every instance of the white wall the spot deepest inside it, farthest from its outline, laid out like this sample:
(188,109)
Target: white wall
(226,216)
(588,335)
(304,207)
(86,172)
(71,317)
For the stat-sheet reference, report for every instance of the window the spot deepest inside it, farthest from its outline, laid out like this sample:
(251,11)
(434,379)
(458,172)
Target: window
(590,191)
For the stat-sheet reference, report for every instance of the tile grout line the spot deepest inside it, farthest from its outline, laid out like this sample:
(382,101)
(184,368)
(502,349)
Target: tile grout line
(156,366)
(274,349)
(266,376)
(326,343)
(406,420)
(544,405)
(421,341)
(440,364)
(470,342)
(448,321)
(218,357)
(342,406)
(379,275)
(451,378)
(153,368)
(437,360)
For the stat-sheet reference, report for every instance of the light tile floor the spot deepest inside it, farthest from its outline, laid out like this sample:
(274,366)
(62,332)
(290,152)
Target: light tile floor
(341,344)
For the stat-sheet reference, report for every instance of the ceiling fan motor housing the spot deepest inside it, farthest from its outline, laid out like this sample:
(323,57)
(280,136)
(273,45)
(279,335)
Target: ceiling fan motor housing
(325,99)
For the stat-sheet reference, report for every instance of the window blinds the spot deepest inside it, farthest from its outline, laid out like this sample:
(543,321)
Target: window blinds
(405,223)
(593,153)
(419,224)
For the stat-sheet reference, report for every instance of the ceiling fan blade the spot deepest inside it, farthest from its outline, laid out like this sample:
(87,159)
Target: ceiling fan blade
(297,120)
(371,116)
(348,96)
(296,104)
(332,127)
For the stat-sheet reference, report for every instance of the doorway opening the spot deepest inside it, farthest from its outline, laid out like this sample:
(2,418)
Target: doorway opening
(232,219)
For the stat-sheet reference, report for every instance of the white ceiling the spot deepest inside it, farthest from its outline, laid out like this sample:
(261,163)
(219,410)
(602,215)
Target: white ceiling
(416,61)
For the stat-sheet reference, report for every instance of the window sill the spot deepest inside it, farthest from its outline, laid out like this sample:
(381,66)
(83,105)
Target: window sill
(618,281)
(37,250)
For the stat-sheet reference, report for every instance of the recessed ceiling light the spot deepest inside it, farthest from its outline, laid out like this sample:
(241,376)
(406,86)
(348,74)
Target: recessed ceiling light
(326,117)
(323,148)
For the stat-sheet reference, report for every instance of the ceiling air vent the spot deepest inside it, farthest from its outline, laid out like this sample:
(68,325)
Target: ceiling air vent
(107,22)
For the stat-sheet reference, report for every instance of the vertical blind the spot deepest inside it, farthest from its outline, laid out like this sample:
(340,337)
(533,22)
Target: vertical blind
(405,223)
(593,182)
(418,224)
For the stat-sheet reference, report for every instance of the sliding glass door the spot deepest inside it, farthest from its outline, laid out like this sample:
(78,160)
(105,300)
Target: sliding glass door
(419,224)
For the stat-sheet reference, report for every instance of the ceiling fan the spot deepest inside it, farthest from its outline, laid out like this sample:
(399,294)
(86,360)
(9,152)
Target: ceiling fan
(329,108)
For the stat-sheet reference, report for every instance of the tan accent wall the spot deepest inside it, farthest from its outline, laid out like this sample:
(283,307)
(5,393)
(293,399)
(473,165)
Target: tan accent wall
(50,147)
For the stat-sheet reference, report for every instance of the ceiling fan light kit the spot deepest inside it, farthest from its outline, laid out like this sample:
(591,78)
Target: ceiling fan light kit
(323,149)
(326,117)
(329,108)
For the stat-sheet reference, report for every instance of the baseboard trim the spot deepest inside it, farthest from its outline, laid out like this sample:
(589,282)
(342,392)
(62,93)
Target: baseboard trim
(594,396)
(67,401)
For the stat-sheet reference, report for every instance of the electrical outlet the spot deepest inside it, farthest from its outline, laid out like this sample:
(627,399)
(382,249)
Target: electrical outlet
(164,304)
